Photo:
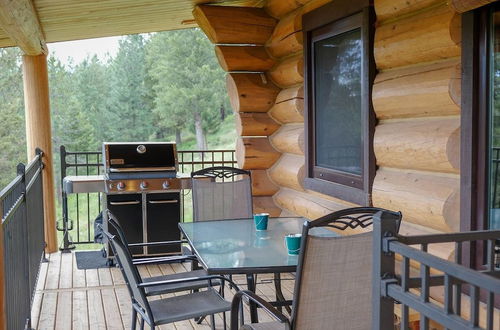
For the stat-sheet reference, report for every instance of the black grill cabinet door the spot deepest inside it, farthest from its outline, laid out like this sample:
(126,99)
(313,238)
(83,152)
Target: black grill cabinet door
(127,209)
(164,214)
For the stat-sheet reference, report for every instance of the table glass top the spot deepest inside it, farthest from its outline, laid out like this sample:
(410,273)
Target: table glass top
(234,246)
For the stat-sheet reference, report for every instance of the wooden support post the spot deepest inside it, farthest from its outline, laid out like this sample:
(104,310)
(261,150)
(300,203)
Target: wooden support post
(38,134)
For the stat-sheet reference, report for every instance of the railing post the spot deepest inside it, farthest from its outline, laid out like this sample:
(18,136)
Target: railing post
(384,227)
(3,312)
(64,199)
(25,257)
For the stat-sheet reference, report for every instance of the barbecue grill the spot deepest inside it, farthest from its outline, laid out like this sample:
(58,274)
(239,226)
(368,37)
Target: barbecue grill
(142,189)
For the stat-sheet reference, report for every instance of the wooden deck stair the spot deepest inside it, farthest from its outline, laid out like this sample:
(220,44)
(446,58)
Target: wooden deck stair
(69,298)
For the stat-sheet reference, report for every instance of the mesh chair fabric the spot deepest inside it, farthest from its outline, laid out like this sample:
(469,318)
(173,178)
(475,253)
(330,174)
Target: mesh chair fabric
(335,284)
(214,200)
(130,273)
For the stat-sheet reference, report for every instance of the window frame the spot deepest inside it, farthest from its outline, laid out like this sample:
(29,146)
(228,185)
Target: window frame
(475,129)
(318,25)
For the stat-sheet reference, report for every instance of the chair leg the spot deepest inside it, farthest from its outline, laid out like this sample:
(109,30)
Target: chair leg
(142,324)
(199,320)
(134,319)
(212,321)
(224,320)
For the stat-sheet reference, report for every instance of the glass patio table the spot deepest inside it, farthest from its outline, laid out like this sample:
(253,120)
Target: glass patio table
(236,247)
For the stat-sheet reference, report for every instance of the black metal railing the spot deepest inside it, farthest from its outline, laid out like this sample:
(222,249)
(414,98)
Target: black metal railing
(21,208)
(80,210)
(437,277)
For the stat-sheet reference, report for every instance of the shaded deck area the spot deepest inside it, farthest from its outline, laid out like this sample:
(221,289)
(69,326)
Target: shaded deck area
(70,298)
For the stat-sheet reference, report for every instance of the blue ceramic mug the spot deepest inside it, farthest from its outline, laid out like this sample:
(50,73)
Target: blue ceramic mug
(261,220)
(292,242)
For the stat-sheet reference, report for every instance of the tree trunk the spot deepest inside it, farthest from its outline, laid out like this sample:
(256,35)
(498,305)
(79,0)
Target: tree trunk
(222,113)
(178,139)
(200,135)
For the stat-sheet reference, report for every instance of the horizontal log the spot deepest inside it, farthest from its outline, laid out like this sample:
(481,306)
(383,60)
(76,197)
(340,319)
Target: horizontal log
(262,185)
(289,72)
(426,199)
(279,8)
(431,144)
(287,37)
(429,36)
(444,250)
(296,92)
(234,25)
(306,205)
(255,153)
(243,58)
(266,204)
(389,9)
(289,107)
(289,139)
(461,6)
(428,90)
(289,172)
(255,124)
(251,92)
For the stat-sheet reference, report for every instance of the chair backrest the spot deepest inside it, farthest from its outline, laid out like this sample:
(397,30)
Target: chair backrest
(334,275)
(117,227)
(226,194)
(130,273)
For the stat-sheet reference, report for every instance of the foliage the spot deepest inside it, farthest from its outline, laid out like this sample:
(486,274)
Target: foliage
(12,136)
(189,85)
(166,86)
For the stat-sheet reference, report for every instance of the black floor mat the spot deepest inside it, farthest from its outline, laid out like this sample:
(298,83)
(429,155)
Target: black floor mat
(90,260)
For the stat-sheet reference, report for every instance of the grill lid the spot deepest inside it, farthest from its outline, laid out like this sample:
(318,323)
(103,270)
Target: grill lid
(127,157)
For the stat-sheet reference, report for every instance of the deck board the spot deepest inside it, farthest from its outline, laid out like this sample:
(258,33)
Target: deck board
(69,298)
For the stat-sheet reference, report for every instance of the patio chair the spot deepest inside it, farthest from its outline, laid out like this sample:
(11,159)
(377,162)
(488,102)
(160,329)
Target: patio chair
(333,287)
(226,195)
(166,310)
(167,288)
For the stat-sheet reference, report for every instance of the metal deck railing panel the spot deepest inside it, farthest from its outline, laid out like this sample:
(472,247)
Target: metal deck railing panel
(80,210)
(21,204)
(451,278)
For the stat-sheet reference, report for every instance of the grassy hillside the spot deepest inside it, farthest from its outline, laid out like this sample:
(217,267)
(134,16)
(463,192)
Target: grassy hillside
(224,138)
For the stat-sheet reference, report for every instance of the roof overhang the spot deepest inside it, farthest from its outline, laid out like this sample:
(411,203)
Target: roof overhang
(38,21)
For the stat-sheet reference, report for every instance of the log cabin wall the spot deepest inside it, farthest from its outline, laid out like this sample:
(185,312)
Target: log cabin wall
(416,98)
(239,35)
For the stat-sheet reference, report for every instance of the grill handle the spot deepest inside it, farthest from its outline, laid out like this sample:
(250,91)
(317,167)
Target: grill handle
(125,203)
(168,201)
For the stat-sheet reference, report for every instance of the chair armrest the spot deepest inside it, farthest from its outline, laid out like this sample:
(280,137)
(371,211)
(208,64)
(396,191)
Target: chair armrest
(189,279)
(235,305)
(157,243)
(163,260)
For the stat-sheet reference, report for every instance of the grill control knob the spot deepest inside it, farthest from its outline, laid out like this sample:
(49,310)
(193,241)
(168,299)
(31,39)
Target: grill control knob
(165,185)
(120,186)
(143,185)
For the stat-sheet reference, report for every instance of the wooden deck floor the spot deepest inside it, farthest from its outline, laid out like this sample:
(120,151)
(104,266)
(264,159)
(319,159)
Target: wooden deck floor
(69,298)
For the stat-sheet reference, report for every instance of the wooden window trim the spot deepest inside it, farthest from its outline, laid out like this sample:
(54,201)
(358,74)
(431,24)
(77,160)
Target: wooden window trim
(474,165)
(348,187)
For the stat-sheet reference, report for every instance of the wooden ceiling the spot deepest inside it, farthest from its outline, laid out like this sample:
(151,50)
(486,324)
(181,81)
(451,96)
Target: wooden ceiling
(63,20)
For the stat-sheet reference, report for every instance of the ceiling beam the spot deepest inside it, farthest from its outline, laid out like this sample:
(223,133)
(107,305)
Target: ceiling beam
(19,20)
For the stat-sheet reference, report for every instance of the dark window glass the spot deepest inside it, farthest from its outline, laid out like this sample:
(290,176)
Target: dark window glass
(494,141)
(337,80)
(338,102)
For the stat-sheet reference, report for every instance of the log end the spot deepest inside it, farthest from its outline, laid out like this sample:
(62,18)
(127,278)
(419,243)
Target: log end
(204,24)
(232,91)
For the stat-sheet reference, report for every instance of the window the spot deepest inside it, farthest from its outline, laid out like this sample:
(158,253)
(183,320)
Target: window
(338,47)
(480,121)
